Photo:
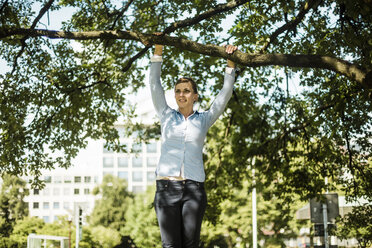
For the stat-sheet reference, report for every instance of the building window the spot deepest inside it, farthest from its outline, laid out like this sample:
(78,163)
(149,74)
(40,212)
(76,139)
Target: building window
(56,205)
(76,191)
(36,191)
(123,175)
(86,191)
(68,179)
(56,191)
(108,173)
(77,179)
(137,189)
(57,179)
(137,176)
(48,179)
(123,162)
(150,176)
(46,219)
(152,161)
(87,179)
(108,162)
(151,148)
(45,205)
(66,191)
(66,205)
(137,162)
(137,148)
(121,132)
(46,191)
(35,205)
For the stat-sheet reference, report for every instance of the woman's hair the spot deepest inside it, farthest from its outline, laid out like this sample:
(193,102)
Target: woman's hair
(188,80)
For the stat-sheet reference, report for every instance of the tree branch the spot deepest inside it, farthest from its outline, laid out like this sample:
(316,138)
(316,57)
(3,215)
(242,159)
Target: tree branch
(23,40)
(121,13)
(292,24)
(194,20)
(41,13)
(134,58)
(351,71)
(3,6)
(302,126)
(182,24)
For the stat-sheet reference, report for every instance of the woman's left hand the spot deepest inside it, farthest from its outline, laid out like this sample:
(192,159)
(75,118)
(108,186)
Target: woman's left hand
(230,49)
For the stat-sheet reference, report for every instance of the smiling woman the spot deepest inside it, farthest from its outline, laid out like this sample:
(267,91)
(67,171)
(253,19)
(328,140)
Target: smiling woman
(186,95)
(180,199)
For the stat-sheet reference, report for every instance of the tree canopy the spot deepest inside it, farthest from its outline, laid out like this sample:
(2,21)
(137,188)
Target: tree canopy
(301,105)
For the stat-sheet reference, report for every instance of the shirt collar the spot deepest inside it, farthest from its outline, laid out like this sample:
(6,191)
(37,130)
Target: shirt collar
(194,113)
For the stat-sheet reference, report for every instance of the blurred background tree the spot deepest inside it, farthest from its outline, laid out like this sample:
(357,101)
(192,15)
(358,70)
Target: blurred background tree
(301,107)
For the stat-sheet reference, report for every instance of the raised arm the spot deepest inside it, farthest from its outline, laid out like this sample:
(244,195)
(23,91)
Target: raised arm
(224,95)
(157,91)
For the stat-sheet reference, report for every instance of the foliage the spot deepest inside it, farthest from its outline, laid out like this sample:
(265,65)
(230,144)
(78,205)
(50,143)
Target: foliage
(295,126)
(12,204)
(357,224)
(141,216)
(24,227)
(62,227)
(105,237)
(109,211)
(275,220)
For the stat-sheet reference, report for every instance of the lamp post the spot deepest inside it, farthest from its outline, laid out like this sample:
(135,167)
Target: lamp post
(254,207)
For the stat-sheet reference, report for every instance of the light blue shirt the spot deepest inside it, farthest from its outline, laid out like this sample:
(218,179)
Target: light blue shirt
(183,139)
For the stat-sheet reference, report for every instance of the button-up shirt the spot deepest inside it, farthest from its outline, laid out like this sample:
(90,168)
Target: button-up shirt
(183,138)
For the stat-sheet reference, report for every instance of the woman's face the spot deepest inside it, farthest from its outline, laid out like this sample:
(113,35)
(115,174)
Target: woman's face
(185,96)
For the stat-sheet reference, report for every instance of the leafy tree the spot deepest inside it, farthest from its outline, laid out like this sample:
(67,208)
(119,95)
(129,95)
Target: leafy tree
(24,227)
(357,224)
(301,107)
(275,220)
(109,211)
(61,227)
(56,97)
(105,237)
(141,216)
(12,204)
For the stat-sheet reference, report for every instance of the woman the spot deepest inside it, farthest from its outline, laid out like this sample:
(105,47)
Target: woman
(180,198)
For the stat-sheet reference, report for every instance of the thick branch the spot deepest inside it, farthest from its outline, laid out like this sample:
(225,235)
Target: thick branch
(182,24)
(198,18)
(292,24)
(340,66)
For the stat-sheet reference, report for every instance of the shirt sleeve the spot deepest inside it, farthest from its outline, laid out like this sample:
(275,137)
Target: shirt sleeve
(157,91)
(223,97)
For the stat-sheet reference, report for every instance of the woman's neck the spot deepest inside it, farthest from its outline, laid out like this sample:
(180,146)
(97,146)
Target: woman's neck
(186,112)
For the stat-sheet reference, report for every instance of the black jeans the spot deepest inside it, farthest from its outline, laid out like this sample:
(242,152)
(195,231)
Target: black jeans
(180,207)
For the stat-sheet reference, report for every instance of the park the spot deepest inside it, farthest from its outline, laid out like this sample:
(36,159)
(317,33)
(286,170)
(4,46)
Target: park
(296,132)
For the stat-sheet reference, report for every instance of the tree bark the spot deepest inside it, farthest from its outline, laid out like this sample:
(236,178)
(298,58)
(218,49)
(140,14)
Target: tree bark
(351,71)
